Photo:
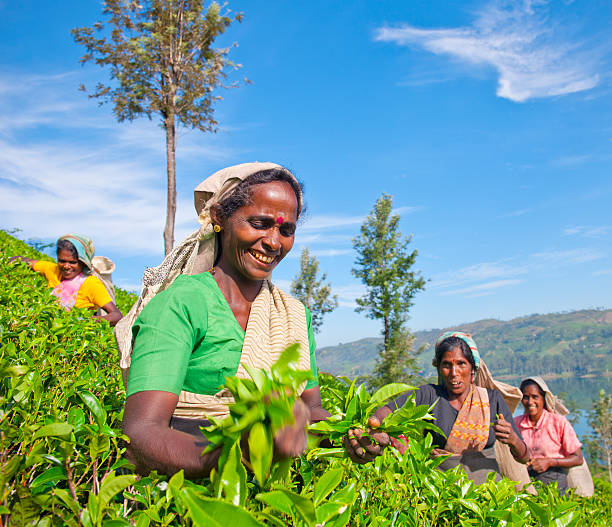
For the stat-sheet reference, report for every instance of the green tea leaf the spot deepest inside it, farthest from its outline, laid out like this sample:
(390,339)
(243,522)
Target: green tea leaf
(206,512)
(326,484)
(60,430)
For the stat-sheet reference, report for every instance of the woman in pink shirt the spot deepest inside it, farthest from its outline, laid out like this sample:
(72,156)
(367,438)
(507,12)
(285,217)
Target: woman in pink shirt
(552,443)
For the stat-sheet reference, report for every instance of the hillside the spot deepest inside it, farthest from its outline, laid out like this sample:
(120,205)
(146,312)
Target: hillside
(559,346)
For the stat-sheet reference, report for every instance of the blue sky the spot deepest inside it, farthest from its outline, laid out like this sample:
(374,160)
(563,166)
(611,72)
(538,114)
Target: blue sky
(489,122)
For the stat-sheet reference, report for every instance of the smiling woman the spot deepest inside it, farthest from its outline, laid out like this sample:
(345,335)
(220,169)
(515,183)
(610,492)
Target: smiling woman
(72,277)
(213,312)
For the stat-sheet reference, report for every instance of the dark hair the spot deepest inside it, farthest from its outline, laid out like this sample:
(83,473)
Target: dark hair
(65,245)
(530,382)
(452,343)
(243,192)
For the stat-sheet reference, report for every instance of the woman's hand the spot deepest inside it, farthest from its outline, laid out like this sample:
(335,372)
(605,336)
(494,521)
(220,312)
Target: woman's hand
(542,464)
(505,434)
(113,315)
(364,448)
(290,441)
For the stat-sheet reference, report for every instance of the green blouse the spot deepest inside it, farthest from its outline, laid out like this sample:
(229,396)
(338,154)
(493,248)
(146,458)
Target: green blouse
(187,338)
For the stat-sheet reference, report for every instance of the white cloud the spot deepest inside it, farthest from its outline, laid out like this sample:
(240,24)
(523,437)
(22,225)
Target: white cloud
(529,51)
(348,294)
(515,213)
(328,222)
(587,231)
(91,174)
(481,278)
(482,289)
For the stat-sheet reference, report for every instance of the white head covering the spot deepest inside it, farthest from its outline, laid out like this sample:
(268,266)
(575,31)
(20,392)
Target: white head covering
(195,254)
(553,403)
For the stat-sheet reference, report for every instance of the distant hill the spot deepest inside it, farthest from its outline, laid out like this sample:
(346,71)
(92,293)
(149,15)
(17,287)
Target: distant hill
(558,346)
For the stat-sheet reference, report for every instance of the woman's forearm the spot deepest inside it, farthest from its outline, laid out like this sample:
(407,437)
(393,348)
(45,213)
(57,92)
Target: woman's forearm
(573,460)
(519,450)
(154,447)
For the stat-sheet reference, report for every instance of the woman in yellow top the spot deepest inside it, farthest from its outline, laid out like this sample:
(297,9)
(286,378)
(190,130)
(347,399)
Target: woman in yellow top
(71,278)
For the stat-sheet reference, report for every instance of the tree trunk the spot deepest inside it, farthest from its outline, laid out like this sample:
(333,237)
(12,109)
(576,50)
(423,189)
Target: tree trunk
(169,124)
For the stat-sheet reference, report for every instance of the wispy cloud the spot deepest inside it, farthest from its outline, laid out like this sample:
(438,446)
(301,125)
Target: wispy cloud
(348,294)
(93,175)
(571,161)
(483,289)
(588,231)
(485,277)
(325,222)
(515,213)
(521,41)
(602,272)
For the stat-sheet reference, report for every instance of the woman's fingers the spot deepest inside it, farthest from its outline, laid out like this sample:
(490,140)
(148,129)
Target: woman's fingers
(291,440)
(503,431)
(363,448)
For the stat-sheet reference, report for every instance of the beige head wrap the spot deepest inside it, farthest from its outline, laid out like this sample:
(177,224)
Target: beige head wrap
(553,403)
(195,254)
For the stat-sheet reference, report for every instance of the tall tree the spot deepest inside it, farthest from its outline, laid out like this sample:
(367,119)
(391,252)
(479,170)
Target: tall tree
(311,290)
(599,446)
(161,62)
(384,264)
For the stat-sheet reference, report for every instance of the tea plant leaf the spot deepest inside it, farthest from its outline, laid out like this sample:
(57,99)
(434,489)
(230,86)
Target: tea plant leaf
(326,484)
(60,430)
(94,405)
(260,451)
(389,391)
(207,512)
(113,485)
(233,478)
(52,475)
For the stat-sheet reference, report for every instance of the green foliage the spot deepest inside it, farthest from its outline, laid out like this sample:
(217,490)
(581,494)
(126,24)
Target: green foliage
(262,406)
(599,443)
(311,291)
(353,407)
(161,60)
(384,265)
(61,445)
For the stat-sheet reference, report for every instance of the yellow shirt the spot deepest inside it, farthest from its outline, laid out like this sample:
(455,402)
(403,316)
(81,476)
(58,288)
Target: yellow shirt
(92,292)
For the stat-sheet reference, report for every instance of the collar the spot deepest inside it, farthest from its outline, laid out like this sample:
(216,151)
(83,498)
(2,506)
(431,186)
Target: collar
(526,422)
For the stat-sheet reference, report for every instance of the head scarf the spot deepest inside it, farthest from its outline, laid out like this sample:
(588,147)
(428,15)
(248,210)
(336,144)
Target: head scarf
(215,189)
(84,247)
(552,402)
(465,337)
(195,254)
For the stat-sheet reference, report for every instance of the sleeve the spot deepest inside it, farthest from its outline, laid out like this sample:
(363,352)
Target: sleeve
(96,292)
(49,270)
(313,346)
(164,339)
(569,439)
(499,406)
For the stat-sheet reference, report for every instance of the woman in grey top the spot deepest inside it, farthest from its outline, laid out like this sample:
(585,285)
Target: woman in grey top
(471,417)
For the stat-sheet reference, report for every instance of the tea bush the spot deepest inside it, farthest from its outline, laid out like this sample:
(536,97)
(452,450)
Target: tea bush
(61,445)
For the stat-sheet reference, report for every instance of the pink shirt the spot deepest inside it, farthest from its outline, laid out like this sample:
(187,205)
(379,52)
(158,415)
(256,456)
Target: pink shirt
(553,436)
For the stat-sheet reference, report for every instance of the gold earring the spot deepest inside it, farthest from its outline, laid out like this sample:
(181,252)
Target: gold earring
(216,228)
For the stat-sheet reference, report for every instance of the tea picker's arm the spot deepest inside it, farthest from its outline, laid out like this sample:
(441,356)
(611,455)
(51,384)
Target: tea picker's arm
(154,445)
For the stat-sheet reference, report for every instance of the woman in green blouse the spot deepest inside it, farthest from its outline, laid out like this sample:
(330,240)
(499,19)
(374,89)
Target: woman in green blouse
(219,314)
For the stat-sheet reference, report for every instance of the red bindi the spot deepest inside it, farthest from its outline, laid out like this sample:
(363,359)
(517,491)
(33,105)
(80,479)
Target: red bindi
(280,220)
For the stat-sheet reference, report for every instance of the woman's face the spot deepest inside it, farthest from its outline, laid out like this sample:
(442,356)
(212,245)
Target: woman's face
(69,266)
(456,372)
(259,235)
(533,402)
